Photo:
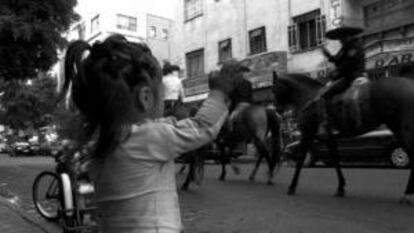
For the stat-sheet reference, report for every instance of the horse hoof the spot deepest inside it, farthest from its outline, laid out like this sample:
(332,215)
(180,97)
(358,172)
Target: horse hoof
(221,179)
(270,183)
(340,193)
(252,178)
(406,200)
(291,192)
(184,188)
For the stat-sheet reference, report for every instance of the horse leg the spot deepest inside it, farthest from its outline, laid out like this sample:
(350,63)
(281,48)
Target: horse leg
(199,169)
(252,176)
(407,136)
(409,191)
(333,149)
(235,168)
(223,160)
(190,175)
(304,146)
(263,152)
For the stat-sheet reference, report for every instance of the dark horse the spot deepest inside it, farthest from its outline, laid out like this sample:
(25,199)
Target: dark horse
(259,125)
(387,101)
(194,160)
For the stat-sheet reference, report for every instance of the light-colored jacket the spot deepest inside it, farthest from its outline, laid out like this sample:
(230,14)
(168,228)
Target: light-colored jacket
(173,87)
(136,187)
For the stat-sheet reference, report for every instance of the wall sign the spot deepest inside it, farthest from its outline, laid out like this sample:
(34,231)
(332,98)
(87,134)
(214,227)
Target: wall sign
(336,13)
(262,67)
(390,59)
(195,86)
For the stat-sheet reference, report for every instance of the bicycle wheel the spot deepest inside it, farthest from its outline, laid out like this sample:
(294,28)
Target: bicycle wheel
(47,195)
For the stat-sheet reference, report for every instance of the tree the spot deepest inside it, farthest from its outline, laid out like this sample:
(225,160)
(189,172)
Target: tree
(31,32)
(28,103)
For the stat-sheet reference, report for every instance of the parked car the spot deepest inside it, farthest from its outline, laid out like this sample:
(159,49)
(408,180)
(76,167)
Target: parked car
(20,147)
(3,144)
(377,148)
(25,145)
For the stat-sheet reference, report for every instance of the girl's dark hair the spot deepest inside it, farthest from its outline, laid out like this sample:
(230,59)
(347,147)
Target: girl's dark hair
(102,85)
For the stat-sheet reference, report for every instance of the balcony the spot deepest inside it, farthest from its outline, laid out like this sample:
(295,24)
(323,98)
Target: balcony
(196,85)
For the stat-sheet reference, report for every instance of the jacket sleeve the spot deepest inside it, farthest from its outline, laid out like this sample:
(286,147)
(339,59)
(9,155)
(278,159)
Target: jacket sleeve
(191,133)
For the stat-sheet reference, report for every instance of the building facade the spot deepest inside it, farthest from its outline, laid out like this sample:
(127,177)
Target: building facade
(389,36)
(208,32)
(136,26)
(286,35)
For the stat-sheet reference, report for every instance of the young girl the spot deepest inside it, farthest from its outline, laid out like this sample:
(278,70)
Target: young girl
(117,86)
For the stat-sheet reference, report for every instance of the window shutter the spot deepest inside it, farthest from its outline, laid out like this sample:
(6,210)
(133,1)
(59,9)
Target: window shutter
(293,37)
(320,29)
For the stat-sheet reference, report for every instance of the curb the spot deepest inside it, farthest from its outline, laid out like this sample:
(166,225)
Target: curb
(4,202)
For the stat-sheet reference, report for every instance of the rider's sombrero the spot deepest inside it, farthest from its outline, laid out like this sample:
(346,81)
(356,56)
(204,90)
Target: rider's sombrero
(342,32)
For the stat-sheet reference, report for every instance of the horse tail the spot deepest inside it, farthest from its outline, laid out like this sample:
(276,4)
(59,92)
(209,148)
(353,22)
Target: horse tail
(274,128)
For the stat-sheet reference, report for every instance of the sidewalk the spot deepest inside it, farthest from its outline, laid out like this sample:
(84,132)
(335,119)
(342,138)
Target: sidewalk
(15,220)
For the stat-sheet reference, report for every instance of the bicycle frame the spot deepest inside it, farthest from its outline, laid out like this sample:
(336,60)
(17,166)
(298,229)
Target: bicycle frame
(73,194)
(67,194)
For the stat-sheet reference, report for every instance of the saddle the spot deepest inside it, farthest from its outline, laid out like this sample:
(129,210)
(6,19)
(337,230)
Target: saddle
(349,108)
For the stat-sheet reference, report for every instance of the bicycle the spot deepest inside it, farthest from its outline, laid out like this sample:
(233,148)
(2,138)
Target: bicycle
(65,195)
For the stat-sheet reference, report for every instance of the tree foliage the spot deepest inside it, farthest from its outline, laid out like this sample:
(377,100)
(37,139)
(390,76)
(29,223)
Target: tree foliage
(31,32)
(27,104)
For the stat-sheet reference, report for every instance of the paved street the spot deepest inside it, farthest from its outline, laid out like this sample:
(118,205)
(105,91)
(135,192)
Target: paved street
(16,179)
(242,206)
(238,205)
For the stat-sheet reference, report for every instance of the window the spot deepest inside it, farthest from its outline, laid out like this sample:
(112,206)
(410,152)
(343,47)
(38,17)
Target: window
(224,50)
(307,31)
(80,31)
(195,63)
(192,9)
(126,22)
(152,32)
(95,24)
(164,34)
(257,39)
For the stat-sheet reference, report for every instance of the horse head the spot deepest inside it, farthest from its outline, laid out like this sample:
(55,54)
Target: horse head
(294,90)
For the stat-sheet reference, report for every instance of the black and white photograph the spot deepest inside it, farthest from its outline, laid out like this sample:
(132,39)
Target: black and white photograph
(206,116)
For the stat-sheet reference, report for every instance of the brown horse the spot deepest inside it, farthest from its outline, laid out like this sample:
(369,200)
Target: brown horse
(259,125)
(387,101)
(194,160)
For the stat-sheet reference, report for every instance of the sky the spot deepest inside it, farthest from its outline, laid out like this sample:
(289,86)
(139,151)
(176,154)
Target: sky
(163,8)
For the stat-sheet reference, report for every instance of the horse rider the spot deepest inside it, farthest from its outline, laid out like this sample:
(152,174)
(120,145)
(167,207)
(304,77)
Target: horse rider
(173,88)
(349,63)
(242,97)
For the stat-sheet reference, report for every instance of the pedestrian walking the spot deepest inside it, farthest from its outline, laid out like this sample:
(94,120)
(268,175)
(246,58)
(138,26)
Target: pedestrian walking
(118,88)
(173,87)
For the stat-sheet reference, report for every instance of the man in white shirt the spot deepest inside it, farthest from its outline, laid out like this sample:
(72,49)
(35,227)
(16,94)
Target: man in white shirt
(174,91)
